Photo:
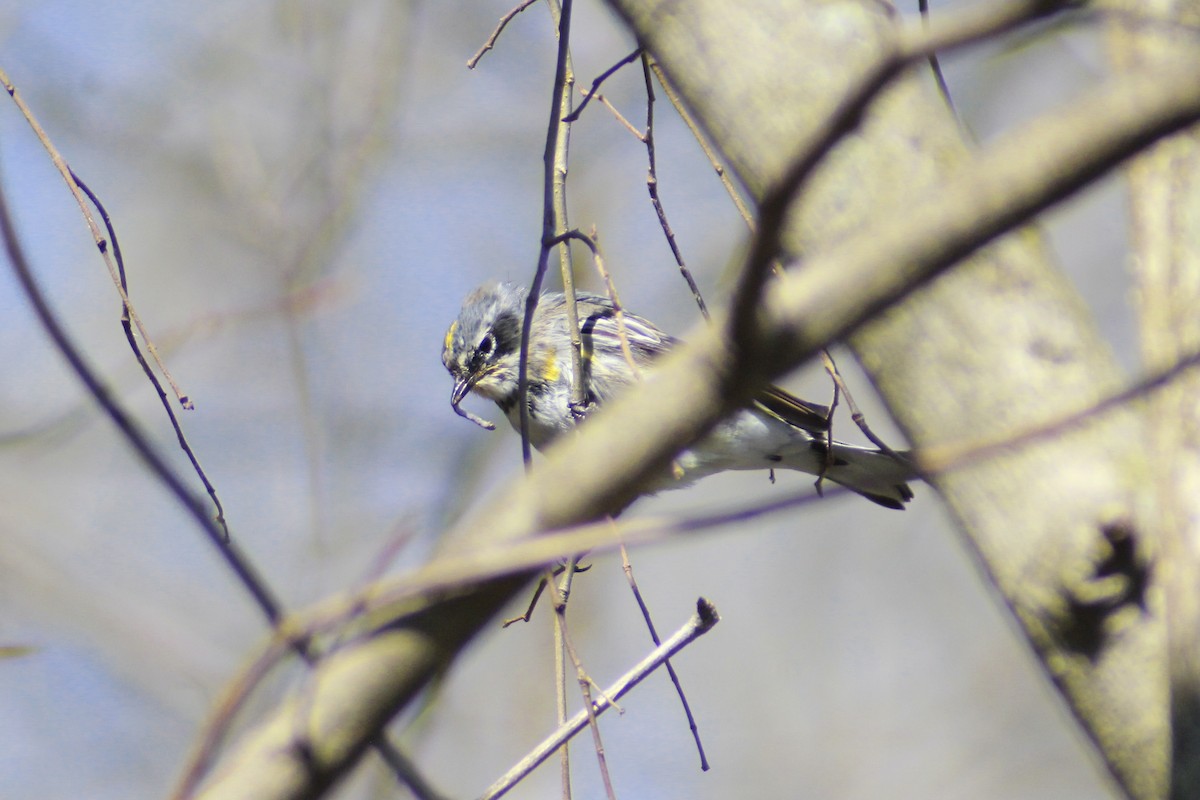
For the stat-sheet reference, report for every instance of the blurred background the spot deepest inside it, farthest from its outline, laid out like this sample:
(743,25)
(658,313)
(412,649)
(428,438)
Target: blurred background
(304,192)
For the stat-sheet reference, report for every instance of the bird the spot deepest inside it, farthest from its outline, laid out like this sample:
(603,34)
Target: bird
(481,351)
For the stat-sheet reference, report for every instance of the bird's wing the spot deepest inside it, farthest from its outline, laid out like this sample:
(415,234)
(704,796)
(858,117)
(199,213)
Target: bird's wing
(602,331)
(811,417)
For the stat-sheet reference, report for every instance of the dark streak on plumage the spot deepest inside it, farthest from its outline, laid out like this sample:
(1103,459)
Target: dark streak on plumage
(508,334)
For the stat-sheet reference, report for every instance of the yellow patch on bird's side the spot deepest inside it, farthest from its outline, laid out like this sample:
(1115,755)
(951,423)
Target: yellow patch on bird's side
(450,335)
(550,371)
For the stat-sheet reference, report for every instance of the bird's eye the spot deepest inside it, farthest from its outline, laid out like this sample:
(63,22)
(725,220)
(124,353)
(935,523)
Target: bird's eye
(486,345)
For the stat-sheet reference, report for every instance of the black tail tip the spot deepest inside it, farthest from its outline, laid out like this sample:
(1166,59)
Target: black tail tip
(887,501)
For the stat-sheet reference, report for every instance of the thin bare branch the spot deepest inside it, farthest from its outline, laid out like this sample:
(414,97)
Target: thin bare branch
(647,139)
(554,222)
(213,528)
(601,78)
(126,324)
(626,124)
(856,414)
(627,568)
(555,218)
(564,644)
(491,40)
(935,65)
(562,594)
(132,432)
(652,182)
(97,237)
(701,623)
(528,613)
(698,134)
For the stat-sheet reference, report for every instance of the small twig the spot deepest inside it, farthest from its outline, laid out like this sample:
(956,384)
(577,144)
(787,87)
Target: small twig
(563,643)
(590,93)
(832,370)
(709,151)
(554,221)
(533,601)
(744,211)
(573,564)
(563,593)
(618,309)
(126,324)
(404,770)
(531,304)
(101,245)
(554,212)
(627,567)
(647,139)
(857,415)
(491,40)
(935,65)
(701,623)
(648,67)
(619,117)
(652,184)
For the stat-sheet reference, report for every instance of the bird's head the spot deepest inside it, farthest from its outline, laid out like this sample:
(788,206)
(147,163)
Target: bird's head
(482,347)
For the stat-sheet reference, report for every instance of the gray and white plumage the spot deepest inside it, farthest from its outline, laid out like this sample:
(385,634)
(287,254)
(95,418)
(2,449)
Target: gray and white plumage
(482,353)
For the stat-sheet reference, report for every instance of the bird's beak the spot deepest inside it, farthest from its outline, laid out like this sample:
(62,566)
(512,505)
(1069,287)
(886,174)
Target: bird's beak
(462,387)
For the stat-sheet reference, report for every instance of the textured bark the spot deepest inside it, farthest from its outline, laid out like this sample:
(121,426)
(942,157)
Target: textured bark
(1165,191)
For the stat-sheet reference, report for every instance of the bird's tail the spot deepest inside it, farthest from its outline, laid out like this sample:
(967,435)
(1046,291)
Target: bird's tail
(876,475)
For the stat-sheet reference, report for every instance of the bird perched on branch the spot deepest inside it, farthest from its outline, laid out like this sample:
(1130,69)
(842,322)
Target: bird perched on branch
(779,431)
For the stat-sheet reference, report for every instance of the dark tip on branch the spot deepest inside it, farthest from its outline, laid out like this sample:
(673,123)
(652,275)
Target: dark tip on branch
(707,613)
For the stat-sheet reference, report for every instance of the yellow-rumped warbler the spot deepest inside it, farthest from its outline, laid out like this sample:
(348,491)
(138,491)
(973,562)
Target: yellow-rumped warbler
(482,353)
